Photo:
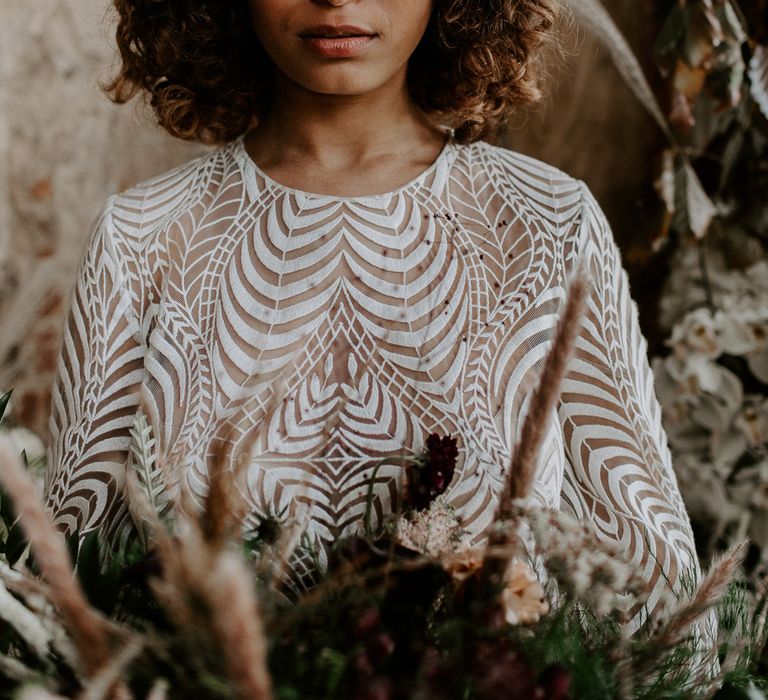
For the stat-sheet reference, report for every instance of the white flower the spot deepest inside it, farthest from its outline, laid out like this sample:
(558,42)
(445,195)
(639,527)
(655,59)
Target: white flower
(745,330)
(726,446)
(758,365)
(523,597)
(703,486)
(26,440)
(752,420)
(757,275)
(758,529)
(580,571)
(698,332)
(694,374)
(582,565)
(756,477)
(676,405)
(716,411)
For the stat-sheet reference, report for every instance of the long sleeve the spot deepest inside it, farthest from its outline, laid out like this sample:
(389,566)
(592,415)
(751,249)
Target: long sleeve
(95,393)
(619,472)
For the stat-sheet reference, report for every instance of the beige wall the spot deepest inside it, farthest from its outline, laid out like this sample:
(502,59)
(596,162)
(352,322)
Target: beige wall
(64,148)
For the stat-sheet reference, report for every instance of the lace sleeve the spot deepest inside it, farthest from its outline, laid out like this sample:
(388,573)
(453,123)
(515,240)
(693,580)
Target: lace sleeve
(95,392)
(619,471)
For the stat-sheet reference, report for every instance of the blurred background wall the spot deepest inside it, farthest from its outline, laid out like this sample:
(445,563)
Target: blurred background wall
(64,148)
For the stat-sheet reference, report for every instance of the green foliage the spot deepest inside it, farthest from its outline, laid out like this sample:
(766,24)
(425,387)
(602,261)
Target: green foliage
(4,399)
(382,616)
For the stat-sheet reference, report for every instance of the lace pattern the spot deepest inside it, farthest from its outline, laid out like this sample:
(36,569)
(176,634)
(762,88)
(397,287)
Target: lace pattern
(357,326)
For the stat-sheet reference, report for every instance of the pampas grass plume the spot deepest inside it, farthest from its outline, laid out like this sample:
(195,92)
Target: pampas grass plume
(86,626)
(522,469)
(708,594)
(236,621)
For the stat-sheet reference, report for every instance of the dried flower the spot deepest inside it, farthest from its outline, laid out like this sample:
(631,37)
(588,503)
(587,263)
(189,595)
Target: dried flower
(523,597)
(435,531)
(428,480)
(555,682)
(463,564)
(585,567)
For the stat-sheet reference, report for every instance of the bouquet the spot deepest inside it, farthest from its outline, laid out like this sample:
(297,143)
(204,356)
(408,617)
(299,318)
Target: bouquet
(195,607)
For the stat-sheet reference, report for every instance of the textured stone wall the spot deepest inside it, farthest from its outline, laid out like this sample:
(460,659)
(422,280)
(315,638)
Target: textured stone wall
(64,148)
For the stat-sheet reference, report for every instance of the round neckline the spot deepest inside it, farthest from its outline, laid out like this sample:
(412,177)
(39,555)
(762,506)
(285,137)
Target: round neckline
(251,164)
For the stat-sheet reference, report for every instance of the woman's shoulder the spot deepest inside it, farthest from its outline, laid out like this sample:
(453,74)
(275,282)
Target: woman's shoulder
(144,206)
(547,190)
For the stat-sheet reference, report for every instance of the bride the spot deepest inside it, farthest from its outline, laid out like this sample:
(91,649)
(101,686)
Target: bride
(353,266)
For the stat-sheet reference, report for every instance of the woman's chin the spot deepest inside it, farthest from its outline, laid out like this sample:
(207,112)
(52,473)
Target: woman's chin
(341,82)
(335,77)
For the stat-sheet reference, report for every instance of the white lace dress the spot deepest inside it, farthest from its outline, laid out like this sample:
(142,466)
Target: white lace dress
(360,325)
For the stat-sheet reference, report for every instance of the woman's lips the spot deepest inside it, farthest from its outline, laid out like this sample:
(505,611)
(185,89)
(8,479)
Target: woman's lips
(338,47)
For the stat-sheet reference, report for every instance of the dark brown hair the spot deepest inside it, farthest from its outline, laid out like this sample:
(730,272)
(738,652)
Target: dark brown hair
(208,79)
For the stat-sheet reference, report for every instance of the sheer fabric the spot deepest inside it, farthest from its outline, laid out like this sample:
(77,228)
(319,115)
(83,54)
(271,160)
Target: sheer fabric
(330,332)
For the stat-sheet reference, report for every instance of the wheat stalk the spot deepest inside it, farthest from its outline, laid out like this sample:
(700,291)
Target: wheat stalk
(196,569)
(686,613)
(524,461)
(15,670)
(708,594)
(86,626)
(225,504)
(159,690)
(37,693)
(25,622)
(102,685)
(236,622)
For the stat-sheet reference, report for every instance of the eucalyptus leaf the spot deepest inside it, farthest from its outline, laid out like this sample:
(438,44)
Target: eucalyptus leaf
(7,513)
(701,211)
(73,545)
(101,591)
(758,78)
(694,210)
(672,31)
(596,19)
(4,399)
(15,544)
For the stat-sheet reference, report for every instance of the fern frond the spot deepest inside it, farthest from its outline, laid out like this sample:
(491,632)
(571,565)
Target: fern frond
(142,461)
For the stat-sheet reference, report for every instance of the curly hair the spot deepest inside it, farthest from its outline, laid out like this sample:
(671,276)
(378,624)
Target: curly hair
(209,80)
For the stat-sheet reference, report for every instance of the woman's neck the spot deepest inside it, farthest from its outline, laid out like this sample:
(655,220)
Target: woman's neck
(310,140)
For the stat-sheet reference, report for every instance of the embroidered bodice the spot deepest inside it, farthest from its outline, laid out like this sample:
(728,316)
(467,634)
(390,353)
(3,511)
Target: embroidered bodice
(358,326)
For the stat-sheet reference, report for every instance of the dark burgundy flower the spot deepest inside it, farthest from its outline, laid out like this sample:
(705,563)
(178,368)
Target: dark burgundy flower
(426,482)
(138,573)
(363,665)
(378,688)
(501,672)
(366,622)
(555,681)
(268,530)
(381,647)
